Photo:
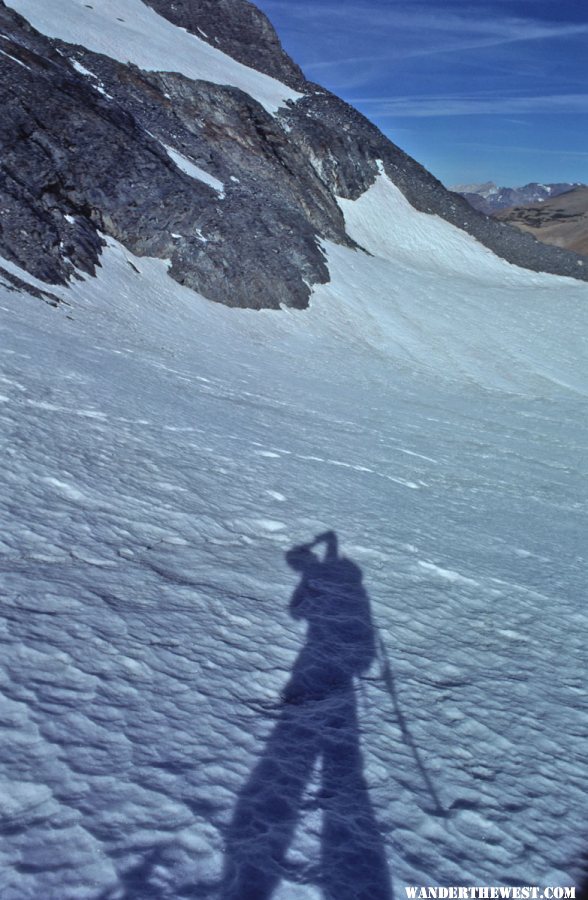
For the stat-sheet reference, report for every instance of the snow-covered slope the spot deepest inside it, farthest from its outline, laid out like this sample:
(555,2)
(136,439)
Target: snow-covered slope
(130,31)
(497,324)
(163,454)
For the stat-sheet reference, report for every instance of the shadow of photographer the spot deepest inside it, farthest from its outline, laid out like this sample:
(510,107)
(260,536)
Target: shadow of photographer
(317,728)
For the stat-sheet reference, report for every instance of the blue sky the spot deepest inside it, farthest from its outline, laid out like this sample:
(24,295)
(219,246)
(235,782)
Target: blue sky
(476,91)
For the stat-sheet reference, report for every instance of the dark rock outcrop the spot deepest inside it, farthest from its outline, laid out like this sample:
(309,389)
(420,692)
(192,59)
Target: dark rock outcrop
(88,149)
(239,29)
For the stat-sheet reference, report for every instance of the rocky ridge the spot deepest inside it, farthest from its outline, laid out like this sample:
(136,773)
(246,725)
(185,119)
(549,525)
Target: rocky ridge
(93,147)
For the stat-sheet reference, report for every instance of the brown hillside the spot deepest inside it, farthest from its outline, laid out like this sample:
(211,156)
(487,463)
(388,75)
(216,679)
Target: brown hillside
(561,221)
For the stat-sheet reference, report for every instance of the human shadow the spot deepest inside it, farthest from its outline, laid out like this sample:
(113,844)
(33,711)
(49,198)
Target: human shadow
(317,729)
(581,884)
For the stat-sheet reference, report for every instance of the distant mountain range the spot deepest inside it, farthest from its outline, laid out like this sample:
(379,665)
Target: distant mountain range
(489,198)
(560,220)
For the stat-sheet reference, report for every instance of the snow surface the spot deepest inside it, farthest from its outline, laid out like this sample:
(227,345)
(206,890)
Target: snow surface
(14,59)
(160,725)
(131,32)
(195,171)
(96,83)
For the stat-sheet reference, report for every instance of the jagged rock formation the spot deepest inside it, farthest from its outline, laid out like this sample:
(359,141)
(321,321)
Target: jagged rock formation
(240,30)
(92,146)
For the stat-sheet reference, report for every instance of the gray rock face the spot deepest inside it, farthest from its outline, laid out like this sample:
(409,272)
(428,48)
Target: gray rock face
(85,147)
(239,29)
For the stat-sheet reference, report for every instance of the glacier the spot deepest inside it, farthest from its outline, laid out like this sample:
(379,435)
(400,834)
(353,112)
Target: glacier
(164,459)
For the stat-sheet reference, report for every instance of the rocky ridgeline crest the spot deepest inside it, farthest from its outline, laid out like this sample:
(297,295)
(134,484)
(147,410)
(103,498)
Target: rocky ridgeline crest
(84,154)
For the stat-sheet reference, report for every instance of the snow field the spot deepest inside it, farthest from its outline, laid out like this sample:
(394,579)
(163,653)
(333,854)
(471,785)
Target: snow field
(131,32)
(162,453)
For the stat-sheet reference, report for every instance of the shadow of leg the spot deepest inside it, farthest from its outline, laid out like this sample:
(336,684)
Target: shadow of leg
(353,861)
(269,808)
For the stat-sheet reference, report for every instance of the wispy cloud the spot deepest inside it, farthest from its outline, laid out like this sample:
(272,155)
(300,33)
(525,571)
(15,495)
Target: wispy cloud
(420,29)
(426,20)
(360,41)
(461,39)
(534,151)
(462,67)
(463,105)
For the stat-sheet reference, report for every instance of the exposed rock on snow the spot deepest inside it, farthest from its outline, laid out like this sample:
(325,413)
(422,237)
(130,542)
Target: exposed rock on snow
(81,144)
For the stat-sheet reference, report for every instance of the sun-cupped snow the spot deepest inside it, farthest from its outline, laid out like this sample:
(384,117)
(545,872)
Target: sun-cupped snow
(180,479)
(131,32)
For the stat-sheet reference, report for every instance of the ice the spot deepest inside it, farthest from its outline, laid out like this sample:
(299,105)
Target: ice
(162,458)
(276,495)
(14,59)
(23,802)
(195,171)
(131,32)
(97,85)
(67,490)
(82,70)
(446,573)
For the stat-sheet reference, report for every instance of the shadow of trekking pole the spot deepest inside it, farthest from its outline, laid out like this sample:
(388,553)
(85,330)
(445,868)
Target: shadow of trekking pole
(388,679)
